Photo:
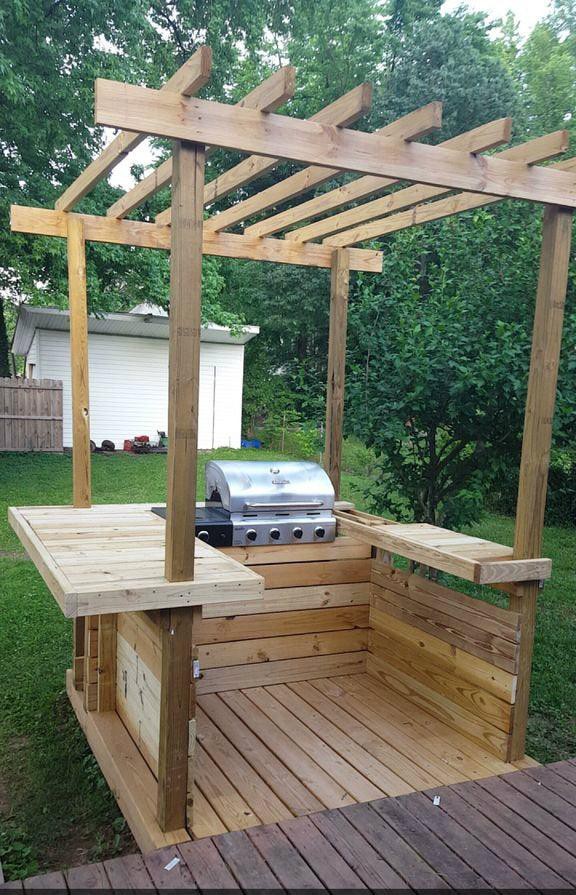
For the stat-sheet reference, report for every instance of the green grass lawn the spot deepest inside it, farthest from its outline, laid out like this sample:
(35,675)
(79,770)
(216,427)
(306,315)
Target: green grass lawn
(55,807)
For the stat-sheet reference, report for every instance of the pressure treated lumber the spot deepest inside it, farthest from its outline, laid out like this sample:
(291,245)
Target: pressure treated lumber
(77,299)
(97,561)
(339,291)
(410,127)
(189,78)
(487,136)
(434,211)
(312,143)
(270,95)
(537,439)
(474,559)
(184,359)
(46,222)
(532,152)
(343,111)
(176,735)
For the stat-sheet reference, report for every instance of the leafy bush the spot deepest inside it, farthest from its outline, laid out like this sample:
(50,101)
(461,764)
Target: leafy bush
(561,502)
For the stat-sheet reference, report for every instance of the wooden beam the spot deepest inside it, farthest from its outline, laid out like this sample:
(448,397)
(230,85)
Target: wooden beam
(537,440)
(192,726)
(339,289)
(81,490)
(480,139)
(411,127)
(530,153)
(174,745)
(107,663)
(184,359)
(47,222)
(189,78)
(270,95)
(311,143)
(433,211)
(341,112)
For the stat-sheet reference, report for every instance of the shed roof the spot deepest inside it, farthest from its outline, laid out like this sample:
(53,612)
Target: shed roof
(140,325)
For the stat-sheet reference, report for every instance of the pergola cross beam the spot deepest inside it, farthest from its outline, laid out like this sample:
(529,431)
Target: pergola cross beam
(308,142)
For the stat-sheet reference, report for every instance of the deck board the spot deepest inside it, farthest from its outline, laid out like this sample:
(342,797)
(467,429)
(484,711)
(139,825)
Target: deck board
(505,833)
(110,558)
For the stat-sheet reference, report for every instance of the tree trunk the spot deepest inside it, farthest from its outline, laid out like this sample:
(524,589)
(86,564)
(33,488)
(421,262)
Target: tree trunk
(4,347)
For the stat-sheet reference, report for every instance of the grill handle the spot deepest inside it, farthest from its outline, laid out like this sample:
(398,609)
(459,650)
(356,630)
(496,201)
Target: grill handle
(291,504)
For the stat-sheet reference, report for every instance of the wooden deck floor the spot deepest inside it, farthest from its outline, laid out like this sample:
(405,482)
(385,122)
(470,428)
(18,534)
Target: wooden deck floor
(271,753)
(517,831)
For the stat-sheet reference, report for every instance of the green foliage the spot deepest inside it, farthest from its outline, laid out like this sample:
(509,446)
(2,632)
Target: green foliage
(561,502)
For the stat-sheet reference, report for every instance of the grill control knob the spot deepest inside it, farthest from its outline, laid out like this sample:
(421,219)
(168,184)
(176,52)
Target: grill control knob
(275,534)
(203,536)
(319,531)
(297,533)
(251,534)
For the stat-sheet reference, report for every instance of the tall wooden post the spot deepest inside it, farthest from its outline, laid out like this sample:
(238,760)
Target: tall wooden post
(79,362)
(339,288)
(177,696)
(540,401)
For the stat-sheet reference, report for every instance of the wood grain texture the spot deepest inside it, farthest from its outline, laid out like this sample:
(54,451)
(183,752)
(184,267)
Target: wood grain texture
(45,222)
(77,298)
(537,440)
(184,359)
(337,332)
(311,143)
(31,415)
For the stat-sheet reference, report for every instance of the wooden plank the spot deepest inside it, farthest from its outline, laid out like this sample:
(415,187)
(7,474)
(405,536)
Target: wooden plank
(128,873)
(270,624)
(81,489)
(88,877)
(191,788)
(532,152)
(512,852)
(399,854)
(106,663)
(338,571)
(344,110)
(410,127)
(443,208)
(297,797)
(320,855)
(341,548)
(278,648)
(174,744)
(495,872)
(234,677)
(336,372)
(438,854)
(487,136)
(206,865)
(295,598)
(245,862)
(267,96)
(126,772)
(53,881)
(222,795)
(312,775)
(189,78)
(285,861)
(392,634)
(184,359)
(176,877)
(537,440)
(417,667)
(549,781)
(478,729)
(312,143)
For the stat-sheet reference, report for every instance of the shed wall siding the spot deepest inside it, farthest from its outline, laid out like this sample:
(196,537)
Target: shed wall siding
(129,387)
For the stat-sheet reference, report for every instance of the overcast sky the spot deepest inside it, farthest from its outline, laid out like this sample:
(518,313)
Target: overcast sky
(528,12)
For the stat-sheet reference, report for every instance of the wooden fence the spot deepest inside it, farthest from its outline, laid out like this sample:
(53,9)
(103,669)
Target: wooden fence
(30,415)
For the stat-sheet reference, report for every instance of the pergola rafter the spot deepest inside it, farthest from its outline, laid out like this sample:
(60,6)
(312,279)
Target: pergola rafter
(323,145)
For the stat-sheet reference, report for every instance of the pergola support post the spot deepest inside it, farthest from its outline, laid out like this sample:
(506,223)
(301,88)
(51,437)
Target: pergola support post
(537,440)
(81,490)
(177,696)
(339,290)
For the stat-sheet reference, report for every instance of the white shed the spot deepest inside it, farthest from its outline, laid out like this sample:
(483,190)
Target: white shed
(128,362)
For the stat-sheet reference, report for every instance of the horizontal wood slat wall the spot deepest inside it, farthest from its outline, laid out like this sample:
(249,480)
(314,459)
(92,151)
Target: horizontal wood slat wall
(449,653)
(312,623)
(31,415)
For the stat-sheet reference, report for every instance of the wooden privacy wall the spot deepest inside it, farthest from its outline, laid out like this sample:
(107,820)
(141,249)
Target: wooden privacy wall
(30,415)
(451,654)
(311,623)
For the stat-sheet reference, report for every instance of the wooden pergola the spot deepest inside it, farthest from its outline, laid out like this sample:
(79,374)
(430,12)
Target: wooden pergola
(443,180)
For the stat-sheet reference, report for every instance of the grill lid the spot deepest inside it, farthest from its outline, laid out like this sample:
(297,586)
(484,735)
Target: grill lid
(263,486)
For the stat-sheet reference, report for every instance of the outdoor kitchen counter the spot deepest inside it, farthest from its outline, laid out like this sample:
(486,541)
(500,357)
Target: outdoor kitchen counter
(110,558)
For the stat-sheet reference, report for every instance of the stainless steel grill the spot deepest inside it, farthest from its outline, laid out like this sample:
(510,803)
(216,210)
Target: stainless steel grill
(287,502)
